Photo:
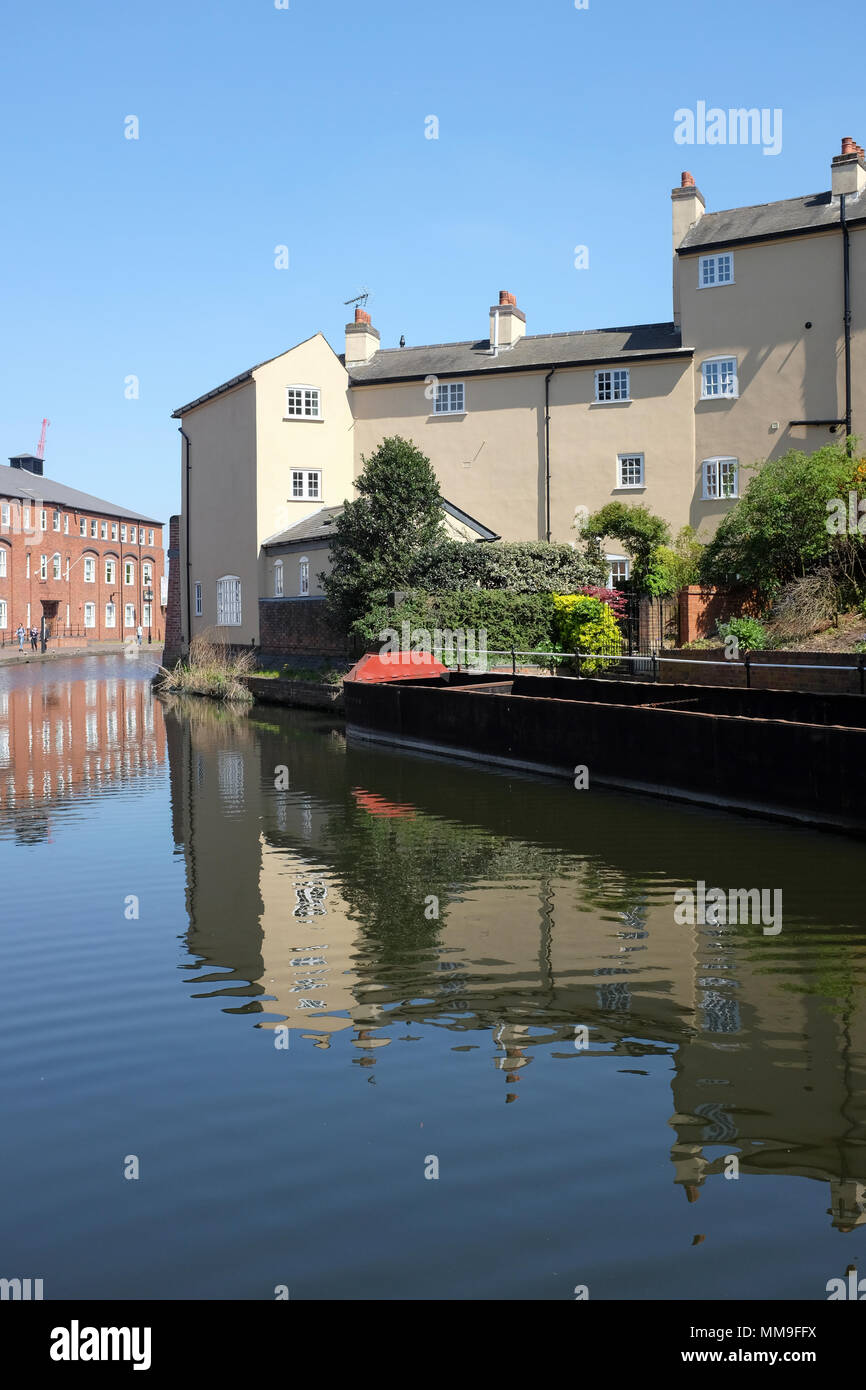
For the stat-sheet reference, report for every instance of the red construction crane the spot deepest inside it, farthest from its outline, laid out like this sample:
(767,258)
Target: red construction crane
(40,452)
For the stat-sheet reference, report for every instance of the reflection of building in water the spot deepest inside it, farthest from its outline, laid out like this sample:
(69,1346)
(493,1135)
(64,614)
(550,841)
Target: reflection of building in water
(61,739)
(312,904)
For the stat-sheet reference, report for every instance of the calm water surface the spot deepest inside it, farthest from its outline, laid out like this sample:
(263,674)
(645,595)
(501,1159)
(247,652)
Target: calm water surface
(306,916)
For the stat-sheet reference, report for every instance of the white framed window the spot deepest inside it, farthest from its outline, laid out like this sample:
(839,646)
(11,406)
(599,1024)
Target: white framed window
(89,569)
(111,571)
(128,572)
(123,532)
(133,535)
(146,611)
(720,477)
(90,615)
(629,470)
(43,566)
(618,569)
(2,562)
(94,527)
(110,615)
(82,526)
(114,530)
(613,385)
(278,579)
(303,576)
(716,270)
(4,514)
(103,530)
(27,576)
(303,403)
(306,484)
(229,601)
(198,609)
(150,536)
(129,615)
(719,378)
(4,621)
(43,519)
(55,520)
(146,573)
(66,529)
(450,398)
(55,565)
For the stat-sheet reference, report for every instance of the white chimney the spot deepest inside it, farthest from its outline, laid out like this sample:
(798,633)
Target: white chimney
(848,170)
(687,208)
(362,339)
(507,322)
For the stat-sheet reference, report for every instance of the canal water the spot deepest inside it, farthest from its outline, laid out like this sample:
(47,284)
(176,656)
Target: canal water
(282,1013)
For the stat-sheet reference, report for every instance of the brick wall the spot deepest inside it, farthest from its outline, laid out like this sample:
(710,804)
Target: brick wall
(701,609)
(830,671)
(173,622)
(299,629)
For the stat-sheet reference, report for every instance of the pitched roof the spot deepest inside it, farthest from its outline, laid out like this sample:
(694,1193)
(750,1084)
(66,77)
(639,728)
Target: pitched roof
(814,212)
(319,526)
(30,487)
(534,351)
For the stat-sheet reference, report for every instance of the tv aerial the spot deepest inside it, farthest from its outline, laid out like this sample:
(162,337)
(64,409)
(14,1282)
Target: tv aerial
(360,300)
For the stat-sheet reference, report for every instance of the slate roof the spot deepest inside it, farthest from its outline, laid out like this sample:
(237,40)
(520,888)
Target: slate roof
(537,350)
(320,526)
(812,213)
(29,487)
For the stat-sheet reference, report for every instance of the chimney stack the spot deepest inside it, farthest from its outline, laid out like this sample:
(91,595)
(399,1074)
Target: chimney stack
(362,339)
(507,322)
(688,208)
(848,170)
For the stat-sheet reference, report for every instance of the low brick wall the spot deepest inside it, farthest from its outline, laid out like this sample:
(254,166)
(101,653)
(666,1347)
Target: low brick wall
(830,671)
(300,629)
(299,694)
(701,609)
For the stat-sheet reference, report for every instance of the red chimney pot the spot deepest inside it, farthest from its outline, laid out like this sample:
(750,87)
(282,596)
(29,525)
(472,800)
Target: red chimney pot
(361,316)
(849,146)
(505,297)
(687,180)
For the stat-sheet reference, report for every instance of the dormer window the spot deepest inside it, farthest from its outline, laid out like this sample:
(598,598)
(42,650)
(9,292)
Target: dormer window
(303,403)
(716,270)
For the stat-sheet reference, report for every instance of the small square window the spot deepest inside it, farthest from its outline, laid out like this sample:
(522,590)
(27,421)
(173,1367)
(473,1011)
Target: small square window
(450,398)
(719,378)
(612,385)
(721,478)
(630,470)
(304,402)
(716,270)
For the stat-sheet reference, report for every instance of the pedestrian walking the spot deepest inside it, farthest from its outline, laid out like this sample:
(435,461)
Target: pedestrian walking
(20,634)
(139,632)
(34,638)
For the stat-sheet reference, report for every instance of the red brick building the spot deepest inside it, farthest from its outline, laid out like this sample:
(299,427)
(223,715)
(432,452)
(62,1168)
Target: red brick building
(91,570)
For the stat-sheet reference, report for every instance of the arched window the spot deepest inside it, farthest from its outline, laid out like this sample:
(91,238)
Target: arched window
(278,579)
(303,576)
(55,565)
(229,601)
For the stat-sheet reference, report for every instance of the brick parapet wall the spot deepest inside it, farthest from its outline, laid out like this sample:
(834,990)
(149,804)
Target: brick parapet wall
(702,609)
(299,629)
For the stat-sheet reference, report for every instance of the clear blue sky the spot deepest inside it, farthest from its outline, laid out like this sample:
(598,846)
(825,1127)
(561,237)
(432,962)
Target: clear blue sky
(305,127)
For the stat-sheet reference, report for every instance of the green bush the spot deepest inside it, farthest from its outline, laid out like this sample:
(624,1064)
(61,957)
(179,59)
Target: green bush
(522,567)
(584,624)
(751,635)
(525,622)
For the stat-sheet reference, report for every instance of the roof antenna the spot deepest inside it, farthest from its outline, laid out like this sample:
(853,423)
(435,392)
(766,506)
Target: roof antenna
(360,299)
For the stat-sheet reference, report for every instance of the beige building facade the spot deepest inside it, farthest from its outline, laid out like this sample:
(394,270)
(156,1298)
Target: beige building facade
(766,351)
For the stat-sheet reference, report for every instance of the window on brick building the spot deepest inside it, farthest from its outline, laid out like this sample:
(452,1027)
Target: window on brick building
(43,566)
(129,615)
(55,565)
(123,532)
(128,572)
(110,615)
(103,530)
(229,601)
(4,621)
(82,526)
(4,514)
(55,520)
(66,525)
(94,527)
(114,530)
(146,615)
(25,515)
(2,562)
(90,615)
(150,536)
(146,573)
(43,519)
(89,569)
(111,571)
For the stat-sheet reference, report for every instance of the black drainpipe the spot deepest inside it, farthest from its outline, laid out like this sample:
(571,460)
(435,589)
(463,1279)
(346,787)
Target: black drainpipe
(846,260)
(188,561)
(547,445)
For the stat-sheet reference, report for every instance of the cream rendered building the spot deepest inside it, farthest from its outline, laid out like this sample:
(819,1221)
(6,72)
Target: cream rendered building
(766,351)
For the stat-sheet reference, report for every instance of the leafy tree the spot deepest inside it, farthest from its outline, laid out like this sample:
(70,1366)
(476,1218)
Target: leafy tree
(672,567)
(380,537)
(638,529)
(778,531)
